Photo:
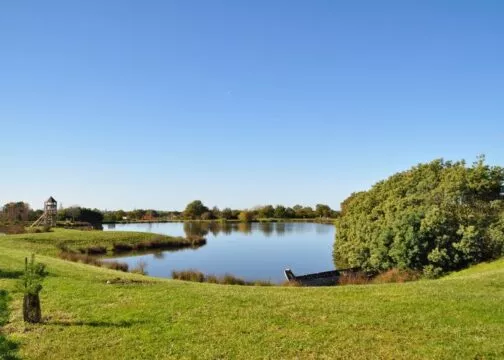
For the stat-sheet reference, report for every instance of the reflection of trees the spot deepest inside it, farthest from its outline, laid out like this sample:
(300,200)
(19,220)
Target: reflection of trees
(200,228)
(226,228)
(245,228)
(158,255)
(280,229)
(214,228)
(289,227)
(266,228)
(323,228)
(196,228)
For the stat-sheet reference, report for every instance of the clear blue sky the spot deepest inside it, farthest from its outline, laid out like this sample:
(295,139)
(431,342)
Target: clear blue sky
(152,104)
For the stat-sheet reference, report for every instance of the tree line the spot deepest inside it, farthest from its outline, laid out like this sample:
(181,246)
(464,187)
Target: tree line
(196,210)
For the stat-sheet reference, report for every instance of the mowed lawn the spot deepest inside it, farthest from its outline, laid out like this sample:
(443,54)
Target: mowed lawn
(459,317)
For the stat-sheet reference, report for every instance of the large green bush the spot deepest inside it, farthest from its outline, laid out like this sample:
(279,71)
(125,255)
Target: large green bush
(435,217)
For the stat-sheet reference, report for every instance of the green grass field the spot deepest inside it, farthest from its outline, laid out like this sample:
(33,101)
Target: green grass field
(137,317)
(49,243)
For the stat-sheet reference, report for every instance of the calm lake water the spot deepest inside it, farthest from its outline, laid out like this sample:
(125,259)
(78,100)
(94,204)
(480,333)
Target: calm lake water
(257,251)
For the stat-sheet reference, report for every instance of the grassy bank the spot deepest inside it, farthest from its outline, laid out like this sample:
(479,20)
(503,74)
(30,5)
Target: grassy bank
(138,317)
(95,242)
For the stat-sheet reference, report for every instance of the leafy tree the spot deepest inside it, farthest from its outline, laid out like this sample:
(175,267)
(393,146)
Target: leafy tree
(435,217)
(266,212)
(194,210)
(298,211)
(207,215)
(280,211)
(15,211)
(308,212)
(92,216)
(216,213)
(289,213)
(323,210)
(74,213)
(227,214)
(245,216)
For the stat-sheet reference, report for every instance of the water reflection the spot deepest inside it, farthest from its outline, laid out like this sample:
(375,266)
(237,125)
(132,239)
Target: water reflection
(227,228)
(216,228)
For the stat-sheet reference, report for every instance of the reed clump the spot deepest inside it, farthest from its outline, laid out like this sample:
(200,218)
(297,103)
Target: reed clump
(94,250)
(91,260)
(353,278)
(226,279)
(140,268)
(396,276)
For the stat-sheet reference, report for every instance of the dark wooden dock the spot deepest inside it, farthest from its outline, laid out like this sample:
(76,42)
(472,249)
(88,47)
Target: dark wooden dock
(325,278)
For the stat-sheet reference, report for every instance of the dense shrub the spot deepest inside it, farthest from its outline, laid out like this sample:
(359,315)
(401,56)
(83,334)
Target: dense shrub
(434,218)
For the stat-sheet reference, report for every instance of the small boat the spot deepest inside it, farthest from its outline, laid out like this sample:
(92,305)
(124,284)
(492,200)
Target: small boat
(326,278)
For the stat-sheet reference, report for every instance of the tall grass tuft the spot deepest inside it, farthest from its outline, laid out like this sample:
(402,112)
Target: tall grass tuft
(396,276)
(353,278)
(91,260)
(227,279)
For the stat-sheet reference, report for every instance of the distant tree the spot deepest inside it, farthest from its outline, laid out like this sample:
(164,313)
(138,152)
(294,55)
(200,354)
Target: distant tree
(16,211)
(35,214)
(308,212)
(323,210)
(92,216)
(289,213)
(73,212)
(298,211)
(194,210)
(266,212)
(150,215)
(137,214)
(227,214)
(216,213)
(280,212)
(207,215)
(245,216)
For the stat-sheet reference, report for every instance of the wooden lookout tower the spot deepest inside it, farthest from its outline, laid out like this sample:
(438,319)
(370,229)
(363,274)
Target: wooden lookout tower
(48,218)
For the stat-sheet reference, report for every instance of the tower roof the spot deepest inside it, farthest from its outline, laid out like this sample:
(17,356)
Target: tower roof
(51,200)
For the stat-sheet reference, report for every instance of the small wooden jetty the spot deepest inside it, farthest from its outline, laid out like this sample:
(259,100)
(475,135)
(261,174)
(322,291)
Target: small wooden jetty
(326,278)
